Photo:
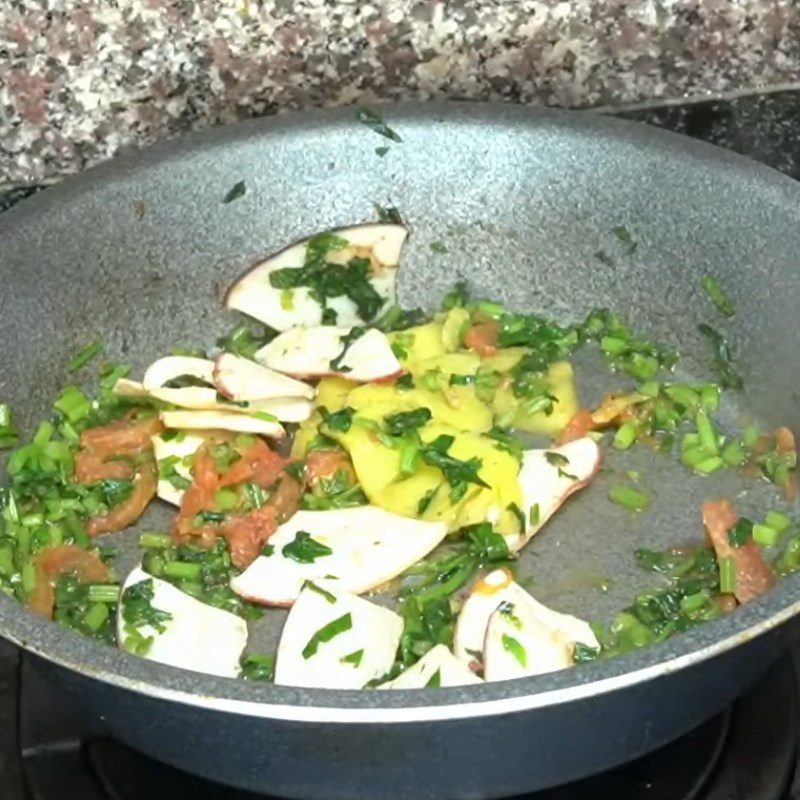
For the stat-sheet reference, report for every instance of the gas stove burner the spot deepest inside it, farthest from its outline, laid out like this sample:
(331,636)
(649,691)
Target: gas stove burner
(746,753)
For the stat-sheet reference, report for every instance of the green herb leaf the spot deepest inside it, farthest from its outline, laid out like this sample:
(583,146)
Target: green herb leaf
(84,356)
(235,192)
(381,151)
(354,334)
(435,680)
(304,549)
(438,247)
(326,633)
(320,591)
(455,471)
(406,421)
(506,441)
(583,653)
(353,658)
(457,297)
(425,501)
(740,533)
(405,382)
(717,295)
(258,667)
(723,359)
(389,215)
(339,420)
(511,645)
(517,512)
(624,235)
(368,117)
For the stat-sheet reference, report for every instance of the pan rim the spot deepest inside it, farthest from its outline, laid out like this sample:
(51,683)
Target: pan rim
(67,649)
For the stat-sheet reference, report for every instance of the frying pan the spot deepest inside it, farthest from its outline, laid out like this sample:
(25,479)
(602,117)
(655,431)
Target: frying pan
(138,252)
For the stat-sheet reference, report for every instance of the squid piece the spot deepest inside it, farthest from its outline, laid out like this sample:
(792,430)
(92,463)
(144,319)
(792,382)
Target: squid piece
(336,640)
(368,547)
(381,244)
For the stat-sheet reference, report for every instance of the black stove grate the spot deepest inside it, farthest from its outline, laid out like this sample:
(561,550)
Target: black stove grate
(746,753)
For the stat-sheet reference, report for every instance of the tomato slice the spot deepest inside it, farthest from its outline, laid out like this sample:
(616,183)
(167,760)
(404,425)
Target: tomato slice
(248,533)
(54,562)
(579,425)
(483,338)
(102,447)
(326,463)
(258,464)
(127,512)
(754,576)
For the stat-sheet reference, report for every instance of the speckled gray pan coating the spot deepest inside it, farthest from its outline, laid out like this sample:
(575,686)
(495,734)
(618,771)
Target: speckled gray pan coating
(140,250)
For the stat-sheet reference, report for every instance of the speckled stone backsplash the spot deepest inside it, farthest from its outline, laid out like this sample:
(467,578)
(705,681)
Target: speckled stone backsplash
(81,79)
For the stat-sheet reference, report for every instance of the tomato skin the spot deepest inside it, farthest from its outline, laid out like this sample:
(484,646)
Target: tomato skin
(54,562)
(579,425)
(483,338)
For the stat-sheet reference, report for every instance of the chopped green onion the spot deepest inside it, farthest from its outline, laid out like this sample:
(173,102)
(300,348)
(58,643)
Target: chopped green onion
(226,499)
(709,397)
(493,310)
(764,535)
(709,465)
(94,618)
(706,432)
(683,395)
(625,435)
(613,346)
(733,454)
(777,521)
(155,540)
(187,571)
(750,436)
(73,404)
(694,602)
(717,295)
(727,575)
(103,592)
(84,356)
(409,456)
(28,577)
(629,498)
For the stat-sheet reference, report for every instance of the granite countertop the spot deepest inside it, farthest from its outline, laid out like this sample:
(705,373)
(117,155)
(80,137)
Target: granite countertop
(86,78)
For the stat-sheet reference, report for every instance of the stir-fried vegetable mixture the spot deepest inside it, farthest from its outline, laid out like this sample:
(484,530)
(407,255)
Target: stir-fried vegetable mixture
(369,468)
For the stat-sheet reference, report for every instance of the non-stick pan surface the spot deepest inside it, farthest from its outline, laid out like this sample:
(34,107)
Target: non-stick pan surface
(139,251)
